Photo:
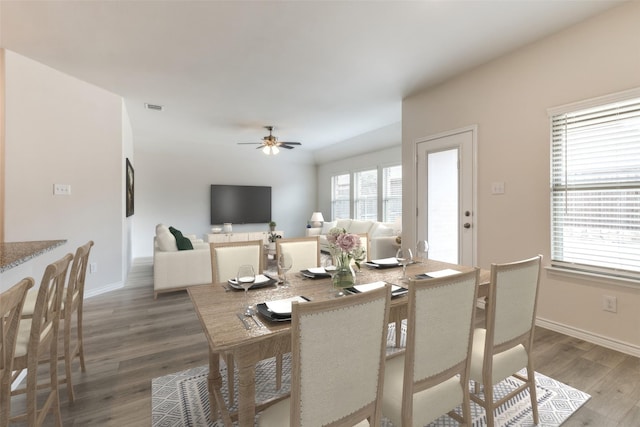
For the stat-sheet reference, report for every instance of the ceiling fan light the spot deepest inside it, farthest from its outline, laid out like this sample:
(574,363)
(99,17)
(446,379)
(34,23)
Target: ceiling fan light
(275,150)
(266,150)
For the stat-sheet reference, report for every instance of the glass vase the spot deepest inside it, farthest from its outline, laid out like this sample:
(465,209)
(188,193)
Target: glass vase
(344,277)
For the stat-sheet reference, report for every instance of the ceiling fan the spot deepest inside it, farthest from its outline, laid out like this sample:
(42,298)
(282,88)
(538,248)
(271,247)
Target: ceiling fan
(270,143)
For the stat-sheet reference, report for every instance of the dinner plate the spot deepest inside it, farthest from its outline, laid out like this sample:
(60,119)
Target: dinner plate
(375,265)
(315,273)
(395,289)
(261,281)
(265,311)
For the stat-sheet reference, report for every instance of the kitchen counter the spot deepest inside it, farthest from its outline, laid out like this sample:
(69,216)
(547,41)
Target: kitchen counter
(13,254)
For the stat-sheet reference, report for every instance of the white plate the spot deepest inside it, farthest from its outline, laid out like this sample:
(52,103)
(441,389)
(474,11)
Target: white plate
(283,306)
(385,261)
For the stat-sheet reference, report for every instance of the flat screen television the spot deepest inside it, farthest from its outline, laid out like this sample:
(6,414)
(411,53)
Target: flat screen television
(240,204)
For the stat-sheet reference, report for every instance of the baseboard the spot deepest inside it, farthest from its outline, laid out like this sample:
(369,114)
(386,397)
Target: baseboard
(103,289)
(600,340)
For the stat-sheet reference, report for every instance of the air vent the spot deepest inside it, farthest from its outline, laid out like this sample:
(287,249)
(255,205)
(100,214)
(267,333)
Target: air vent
(153,107)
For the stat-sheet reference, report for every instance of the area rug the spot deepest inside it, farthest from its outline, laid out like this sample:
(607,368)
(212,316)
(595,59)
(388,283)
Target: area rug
(181,399)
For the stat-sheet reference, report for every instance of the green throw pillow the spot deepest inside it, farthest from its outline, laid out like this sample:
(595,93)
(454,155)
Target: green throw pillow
(182,242)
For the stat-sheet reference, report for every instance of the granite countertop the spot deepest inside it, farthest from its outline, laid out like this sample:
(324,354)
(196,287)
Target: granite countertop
(15,253)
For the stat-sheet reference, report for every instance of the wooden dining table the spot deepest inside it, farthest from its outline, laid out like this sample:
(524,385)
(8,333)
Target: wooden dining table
(217,306)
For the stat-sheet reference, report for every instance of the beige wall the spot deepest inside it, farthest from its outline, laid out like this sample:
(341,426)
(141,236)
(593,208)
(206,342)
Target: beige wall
(508,100)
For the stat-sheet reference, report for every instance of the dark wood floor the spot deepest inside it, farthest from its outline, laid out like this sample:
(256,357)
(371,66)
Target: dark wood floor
(130,338)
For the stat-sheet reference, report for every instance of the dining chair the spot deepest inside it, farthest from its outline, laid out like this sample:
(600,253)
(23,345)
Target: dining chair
(431,377)
(365,243)
(227,257)
(304,251)
(338,353)
(11,303)
(38,339)
(72,302)
(505,346)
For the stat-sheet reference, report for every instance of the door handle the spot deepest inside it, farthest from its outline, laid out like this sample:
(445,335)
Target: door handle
(467,225)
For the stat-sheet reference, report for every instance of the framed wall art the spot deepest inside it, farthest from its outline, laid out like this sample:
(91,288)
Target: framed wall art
(129,189)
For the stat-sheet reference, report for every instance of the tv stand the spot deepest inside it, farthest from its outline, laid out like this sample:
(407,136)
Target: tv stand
(240,237)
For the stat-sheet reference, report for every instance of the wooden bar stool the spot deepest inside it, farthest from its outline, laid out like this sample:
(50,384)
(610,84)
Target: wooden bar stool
(11,302)
(38,339)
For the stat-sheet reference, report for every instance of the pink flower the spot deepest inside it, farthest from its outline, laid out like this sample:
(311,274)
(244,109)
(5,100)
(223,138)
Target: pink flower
(348,242)
(333,234)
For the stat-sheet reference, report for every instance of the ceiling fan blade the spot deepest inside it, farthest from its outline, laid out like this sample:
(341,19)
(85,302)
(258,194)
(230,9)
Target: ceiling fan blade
(290,143)
(282,145)
(248,143)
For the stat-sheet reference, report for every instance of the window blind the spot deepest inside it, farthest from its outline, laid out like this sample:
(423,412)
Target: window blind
(366,195)
(595,189)
(340,196)
(391,193)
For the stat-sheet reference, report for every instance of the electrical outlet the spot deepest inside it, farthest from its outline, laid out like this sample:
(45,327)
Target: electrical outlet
(93,267)
(610,303)
(61,189)
(497,187)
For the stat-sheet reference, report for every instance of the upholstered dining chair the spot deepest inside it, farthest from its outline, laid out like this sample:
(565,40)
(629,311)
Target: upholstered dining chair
(338,352)
(504,347)
(227,257)
(304,251)
(72,303)
(431,378)
(38,339)
(11,303)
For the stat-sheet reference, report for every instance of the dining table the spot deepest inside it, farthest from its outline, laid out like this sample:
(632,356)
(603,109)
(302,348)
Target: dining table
(249,341)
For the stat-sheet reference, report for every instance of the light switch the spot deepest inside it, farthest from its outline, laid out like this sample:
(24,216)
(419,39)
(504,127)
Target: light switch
(497,188)
(61,189)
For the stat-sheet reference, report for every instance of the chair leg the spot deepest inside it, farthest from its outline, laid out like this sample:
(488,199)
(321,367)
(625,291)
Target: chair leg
(278,371)
(488,400)
(53,370)
(80,340)
(68,358)
(532,393)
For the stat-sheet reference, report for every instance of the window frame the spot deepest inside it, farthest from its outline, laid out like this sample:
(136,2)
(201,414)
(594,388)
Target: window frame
(582,266)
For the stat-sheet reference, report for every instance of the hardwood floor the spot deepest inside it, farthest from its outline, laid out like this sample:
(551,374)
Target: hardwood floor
(130,338)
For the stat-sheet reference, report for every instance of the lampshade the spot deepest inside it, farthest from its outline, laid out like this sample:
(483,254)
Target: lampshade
(317,219)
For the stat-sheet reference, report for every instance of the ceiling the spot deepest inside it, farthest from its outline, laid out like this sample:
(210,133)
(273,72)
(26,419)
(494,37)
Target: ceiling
(321,72)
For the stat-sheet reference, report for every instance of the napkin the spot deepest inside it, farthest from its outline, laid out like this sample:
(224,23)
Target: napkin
(283,306)
(375,285)
(439,273)
(260,278)
(316,270)
(385,261)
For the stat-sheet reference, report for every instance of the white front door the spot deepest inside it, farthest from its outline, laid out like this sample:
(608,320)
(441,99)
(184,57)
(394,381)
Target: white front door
(446,196)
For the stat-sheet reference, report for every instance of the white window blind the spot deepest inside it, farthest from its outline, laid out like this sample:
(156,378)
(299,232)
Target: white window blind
(595,189)
(366,195)
(340,196)
(391,193)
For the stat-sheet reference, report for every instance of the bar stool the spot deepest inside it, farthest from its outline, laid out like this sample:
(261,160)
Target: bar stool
(38,338)
(11,303)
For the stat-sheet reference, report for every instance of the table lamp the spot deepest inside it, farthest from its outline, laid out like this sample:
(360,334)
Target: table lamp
(317,219)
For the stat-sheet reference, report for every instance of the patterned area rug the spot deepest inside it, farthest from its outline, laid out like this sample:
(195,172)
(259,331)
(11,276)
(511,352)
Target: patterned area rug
(181,399)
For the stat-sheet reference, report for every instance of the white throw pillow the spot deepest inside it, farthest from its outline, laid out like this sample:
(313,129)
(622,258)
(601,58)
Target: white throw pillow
(381,230)
(343,223)
(327,225)
(160,228)
(166,241)
(359,227)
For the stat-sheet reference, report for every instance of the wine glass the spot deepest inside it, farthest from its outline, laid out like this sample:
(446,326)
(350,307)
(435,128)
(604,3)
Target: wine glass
(422,250)
(404,257)
(285,262)
(246,277)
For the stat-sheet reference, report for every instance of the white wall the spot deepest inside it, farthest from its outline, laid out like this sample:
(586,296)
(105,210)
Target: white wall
(508,100)
(60,130)
(174,188)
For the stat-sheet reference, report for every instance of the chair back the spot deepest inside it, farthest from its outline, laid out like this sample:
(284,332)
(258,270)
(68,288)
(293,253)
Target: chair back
(304,251)
(75,285)
(227,257)
(11,303)
(338,352)
(46,312)
(511,312)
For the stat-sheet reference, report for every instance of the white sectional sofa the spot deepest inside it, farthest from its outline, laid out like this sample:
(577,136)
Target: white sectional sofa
(175,269)
(382,235)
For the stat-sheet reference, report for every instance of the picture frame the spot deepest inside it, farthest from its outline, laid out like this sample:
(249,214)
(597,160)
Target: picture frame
(129,188)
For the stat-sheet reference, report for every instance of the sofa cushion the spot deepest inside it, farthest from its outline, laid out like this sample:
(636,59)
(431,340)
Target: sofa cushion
(166,241)
(359,227)
(182,242)
(380,230)
(343,223)
(327,225)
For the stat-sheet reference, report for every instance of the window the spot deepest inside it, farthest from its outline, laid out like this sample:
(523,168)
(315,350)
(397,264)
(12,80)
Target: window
(375,194)
(391,193)
(365,194)
(340,196)
(595,186)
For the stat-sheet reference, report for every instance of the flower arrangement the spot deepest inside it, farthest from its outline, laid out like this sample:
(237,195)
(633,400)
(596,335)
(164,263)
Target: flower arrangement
(345,247)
